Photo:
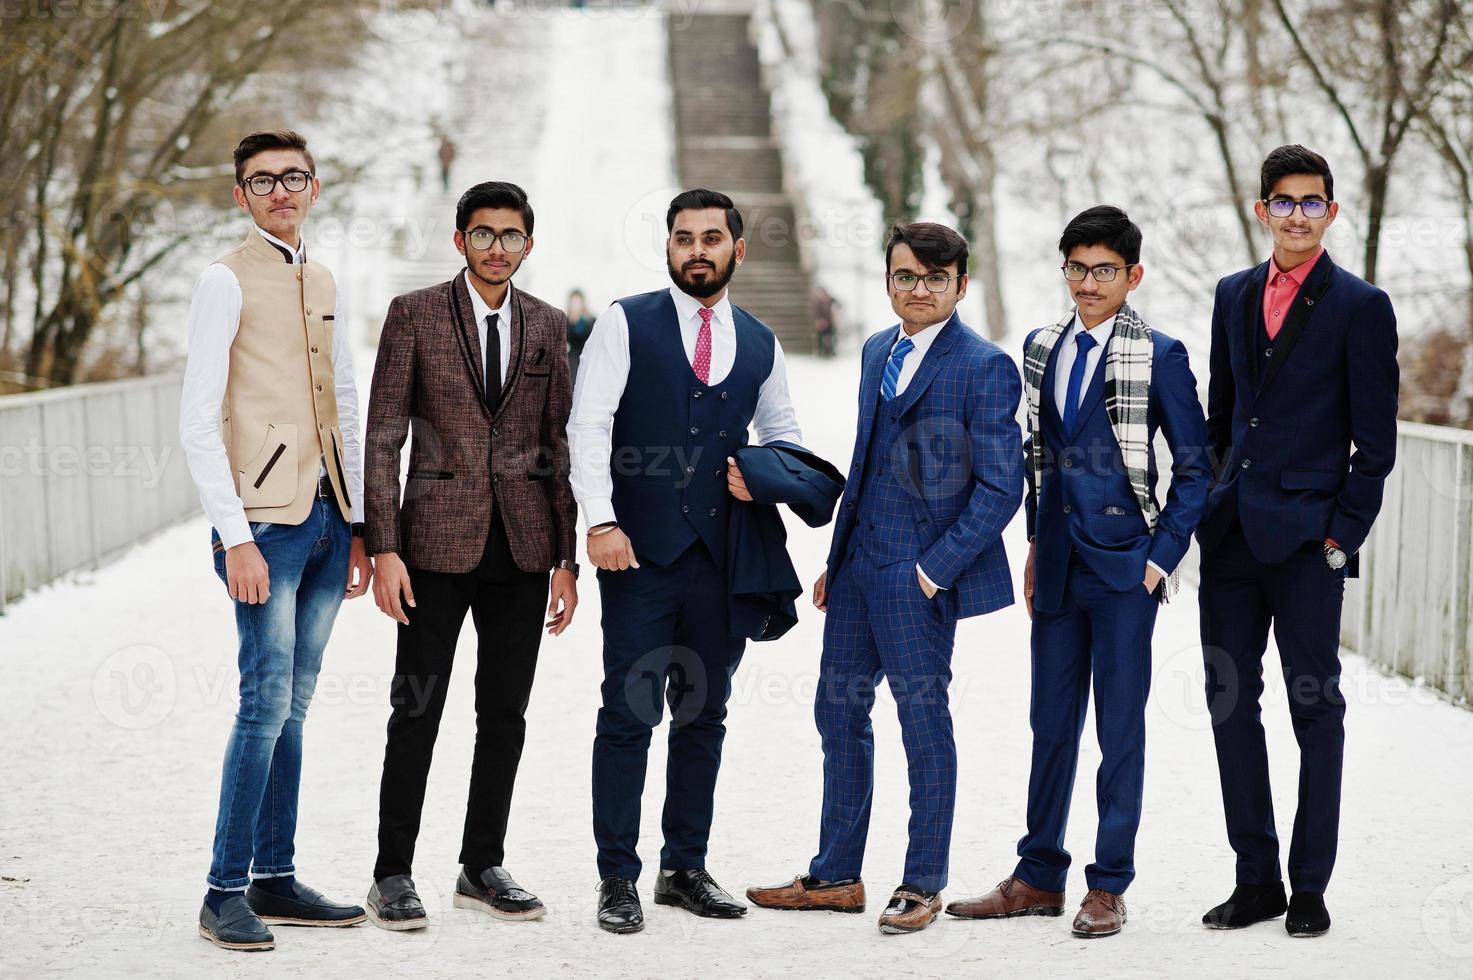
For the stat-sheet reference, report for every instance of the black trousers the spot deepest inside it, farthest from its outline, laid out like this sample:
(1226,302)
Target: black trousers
(1300,598)
(507,605)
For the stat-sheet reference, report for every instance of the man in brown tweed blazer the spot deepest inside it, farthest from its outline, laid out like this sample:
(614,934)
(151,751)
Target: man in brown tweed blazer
(477,372)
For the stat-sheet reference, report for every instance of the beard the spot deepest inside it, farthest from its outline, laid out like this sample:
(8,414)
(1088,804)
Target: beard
(714,283)
(489,276)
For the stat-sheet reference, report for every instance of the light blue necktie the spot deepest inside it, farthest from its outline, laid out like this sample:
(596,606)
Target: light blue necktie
(1076,380)
(892,367)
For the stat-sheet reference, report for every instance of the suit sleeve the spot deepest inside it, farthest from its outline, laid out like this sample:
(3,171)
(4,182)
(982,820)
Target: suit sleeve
(1373,377)
(1221,387)
(997,455)
(1175,391)
(390,398)
(555,442)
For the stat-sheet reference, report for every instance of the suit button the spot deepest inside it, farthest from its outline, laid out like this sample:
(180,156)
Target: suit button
(685,509)
(318,387)
(695,431)
(722,433)
(495,431)
(495,479)
(849,504)
(1068,463)
(1253,423)
(711,512)
(314,350)
(1246,463)
(309,311)
(1068,509)
(690,469)
(723,396)
(720,474)
(1268,352)
(695,394)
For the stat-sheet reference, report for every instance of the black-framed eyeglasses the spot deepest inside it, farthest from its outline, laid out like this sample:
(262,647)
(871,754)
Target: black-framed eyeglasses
(263,185)
(483,238)
(1282,207)
(935,282)
(1076,271)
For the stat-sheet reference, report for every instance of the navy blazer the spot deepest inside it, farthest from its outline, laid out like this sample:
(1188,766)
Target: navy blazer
(762,583)
(1282,426)
(962,456)
(1103,521)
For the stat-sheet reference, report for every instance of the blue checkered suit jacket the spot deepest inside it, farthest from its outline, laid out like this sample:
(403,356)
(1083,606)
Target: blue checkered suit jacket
(962,460)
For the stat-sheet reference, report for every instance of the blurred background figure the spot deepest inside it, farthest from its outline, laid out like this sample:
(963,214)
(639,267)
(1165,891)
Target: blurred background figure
(447,157)
(580,325)
(825,321)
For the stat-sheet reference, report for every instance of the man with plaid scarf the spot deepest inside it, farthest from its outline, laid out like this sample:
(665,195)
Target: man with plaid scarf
(1102,558)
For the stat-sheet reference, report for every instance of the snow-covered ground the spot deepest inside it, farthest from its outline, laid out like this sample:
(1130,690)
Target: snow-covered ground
(121,691)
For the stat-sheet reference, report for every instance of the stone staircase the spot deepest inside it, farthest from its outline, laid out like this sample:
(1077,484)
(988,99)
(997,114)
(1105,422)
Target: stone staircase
(724,141)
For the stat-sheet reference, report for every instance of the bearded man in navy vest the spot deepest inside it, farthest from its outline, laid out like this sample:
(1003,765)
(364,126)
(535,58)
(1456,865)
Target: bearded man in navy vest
(669,383)
(1301,413)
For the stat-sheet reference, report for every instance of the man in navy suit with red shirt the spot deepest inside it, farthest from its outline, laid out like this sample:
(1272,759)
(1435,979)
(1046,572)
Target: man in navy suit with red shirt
(1301,417)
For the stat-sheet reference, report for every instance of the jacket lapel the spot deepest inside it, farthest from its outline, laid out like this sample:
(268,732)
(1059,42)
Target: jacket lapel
(1314,287)
(463,313)
(869,388)
(929,367)
(1253,319)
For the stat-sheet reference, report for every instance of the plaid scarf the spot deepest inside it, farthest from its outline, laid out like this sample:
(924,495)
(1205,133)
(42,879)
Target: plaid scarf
(1128,359)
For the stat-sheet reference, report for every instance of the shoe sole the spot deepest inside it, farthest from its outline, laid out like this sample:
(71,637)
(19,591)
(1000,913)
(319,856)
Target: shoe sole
(1094,935)
(462,901)
(398,925)
(1308,935)
(845,909)
(1245,925)
(278,920)
(260,947)
(1053,911)
(677,903)
(621,930)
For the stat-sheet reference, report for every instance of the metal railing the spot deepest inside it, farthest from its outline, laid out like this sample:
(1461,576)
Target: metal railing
(86,471)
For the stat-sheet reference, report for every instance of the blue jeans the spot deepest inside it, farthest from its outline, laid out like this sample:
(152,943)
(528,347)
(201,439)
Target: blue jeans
(281,644)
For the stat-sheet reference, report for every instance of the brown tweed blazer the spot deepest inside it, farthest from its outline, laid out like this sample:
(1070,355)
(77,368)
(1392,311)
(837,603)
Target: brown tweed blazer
(465,458)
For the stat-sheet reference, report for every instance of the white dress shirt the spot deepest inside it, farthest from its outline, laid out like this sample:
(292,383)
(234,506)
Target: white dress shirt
(1068,349)
(214,319)
(603,371)
(503,324)
(922,339)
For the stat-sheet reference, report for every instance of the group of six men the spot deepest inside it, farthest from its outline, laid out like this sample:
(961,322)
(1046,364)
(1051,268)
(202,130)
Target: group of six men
(1280,482)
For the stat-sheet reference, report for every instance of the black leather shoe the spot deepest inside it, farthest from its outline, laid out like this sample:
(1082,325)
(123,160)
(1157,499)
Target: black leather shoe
(618,906)
(236,926)
(695,891)
(304,907)
(1248,904)
(498,894)
(393,904)
(1307,915)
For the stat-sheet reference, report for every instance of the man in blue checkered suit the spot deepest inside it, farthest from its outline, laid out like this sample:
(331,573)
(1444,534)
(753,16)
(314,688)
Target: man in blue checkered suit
(937,474)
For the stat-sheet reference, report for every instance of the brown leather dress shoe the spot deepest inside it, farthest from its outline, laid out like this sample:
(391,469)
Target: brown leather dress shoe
(910,910)
(804,893)
(1101,914)
(1012,896)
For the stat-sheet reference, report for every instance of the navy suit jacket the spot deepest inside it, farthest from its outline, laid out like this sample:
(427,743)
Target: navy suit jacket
(1103,521)
(961,459)
(1282,426)
(762,584)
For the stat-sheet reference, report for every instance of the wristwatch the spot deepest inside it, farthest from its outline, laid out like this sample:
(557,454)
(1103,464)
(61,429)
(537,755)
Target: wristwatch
(1334,557)
(571,566)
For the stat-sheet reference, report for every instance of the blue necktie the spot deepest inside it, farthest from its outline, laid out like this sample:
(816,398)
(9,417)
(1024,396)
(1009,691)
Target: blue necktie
(892,367)
(1076,380)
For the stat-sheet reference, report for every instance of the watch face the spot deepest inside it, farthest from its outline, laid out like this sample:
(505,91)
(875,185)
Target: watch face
(1335,558)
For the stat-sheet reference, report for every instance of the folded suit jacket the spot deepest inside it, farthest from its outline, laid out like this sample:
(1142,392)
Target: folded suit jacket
(762,584)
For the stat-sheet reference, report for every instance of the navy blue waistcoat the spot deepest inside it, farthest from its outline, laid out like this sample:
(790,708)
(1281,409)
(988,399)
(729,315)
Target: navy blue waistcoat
(885,526)
(672,433)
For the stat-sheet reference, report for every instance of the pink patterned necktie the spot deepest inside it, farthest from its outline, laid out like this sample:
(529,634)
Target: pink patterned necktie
(703,347)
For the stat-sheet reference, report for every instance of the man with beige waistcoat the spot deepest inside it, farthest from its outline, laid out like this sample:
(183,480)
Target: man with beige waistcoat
(268,422)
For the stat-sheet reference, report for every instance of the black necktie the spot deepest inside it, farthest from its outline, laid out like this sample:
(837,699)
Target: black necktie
(493,360)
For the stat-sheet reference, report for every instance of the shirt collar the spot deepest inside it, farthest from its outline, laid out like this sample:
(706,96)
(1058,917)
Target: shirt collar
(297,255)
(482,310)
(686,307)
(922,338)
(1100,331)
(1300,272)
